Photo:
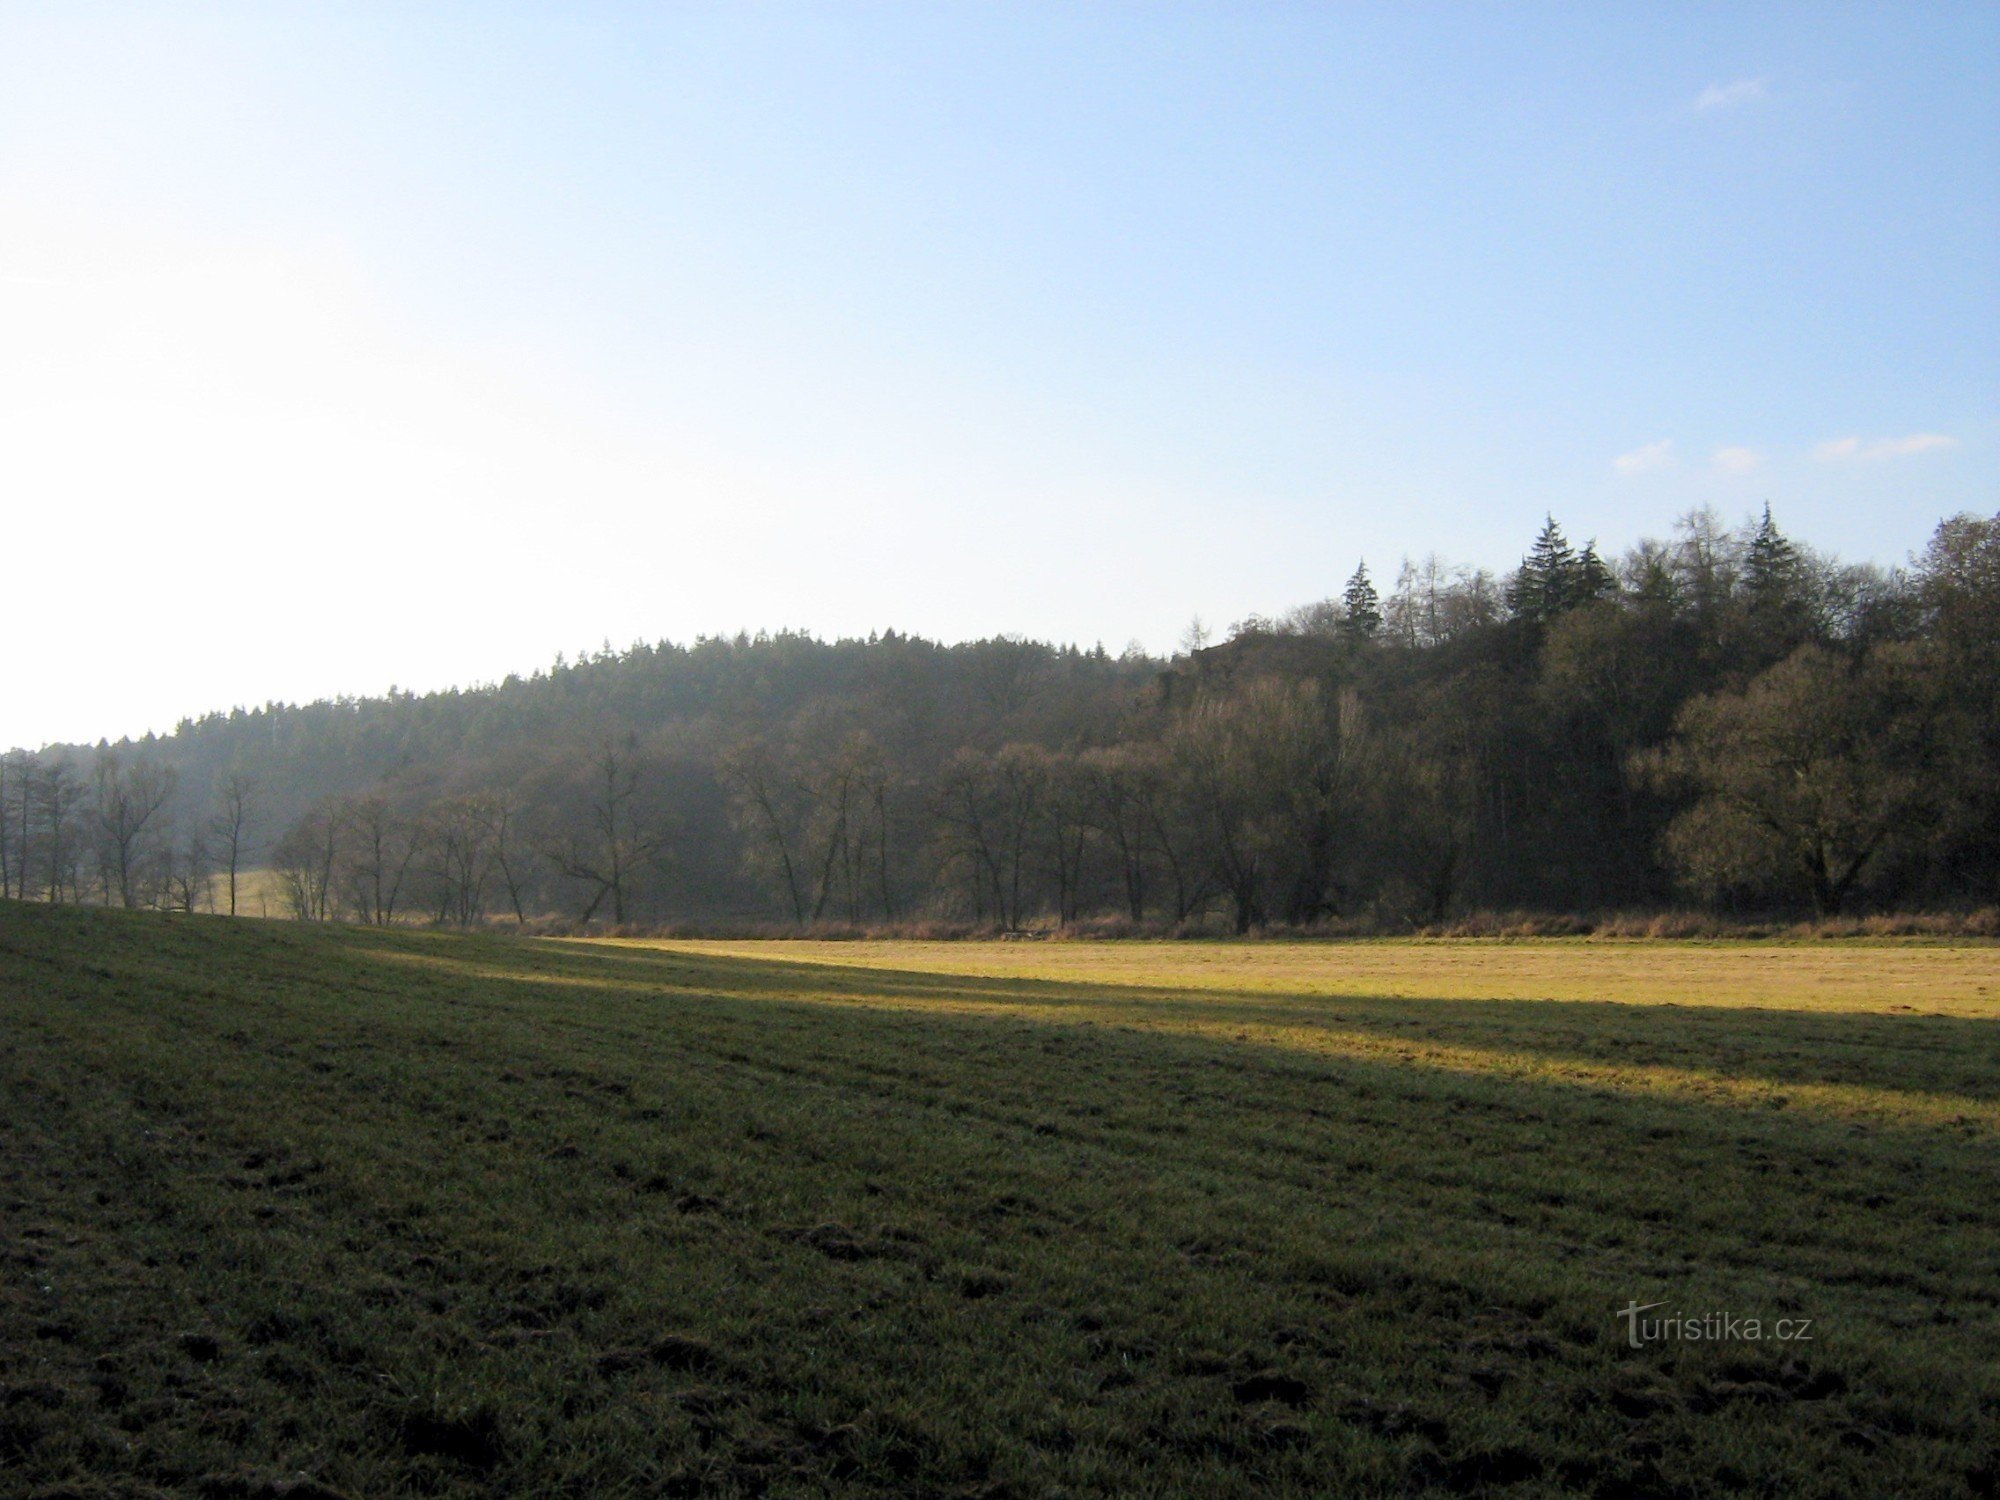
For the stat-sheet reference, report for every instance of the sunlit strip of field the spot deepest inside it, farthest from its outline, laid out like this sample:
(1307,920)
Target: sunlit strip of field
(1663,1020)
(1887,977)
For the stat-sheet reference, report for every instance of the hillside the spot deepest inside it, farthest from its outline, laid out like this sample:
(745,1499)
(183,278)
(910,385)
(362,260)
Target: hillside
(1728,719)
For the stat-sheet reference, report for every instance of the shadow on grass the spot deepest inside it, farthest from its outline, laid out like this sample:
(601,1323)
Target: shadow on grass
(1937,1069)
(1913,1069)
(1059,1153)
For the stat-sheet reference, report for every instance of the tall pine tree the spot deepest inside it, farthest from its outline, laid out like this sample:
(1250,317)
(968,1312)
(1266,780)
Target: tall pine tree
(1774,586)
(1363,607)
(1771,565)
(1548,582)
(1593,578)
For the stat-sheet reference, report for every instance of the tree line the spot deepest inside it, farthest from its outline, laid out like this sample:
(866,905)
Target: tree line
(1725,717)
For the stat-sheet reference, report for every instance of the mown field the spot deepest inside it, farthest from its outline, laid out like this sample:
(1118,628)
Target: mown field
(297,1211)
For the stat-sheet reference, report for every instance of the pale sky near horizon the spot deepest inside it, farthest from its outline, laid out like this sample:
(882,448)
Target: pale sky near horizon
(344,346)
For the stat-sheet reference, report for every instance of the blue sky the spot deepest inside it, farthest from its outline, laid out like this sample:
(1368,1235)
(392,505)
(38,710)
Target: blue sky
(350,345)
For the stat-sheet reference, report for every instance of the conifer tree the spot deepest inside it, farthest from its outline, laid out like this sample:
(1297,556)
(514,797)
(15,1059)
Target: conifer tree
(1364,607)
(1773,584)
(1771,565)
(1548,582)
(1593,579)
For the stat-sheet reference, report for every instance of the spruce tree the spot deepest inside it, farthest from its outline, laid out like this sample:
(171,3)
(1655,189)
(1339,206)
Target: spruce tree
(1547,583)
(1593,579)
(1773,584)
(1771,566)
(1363,617)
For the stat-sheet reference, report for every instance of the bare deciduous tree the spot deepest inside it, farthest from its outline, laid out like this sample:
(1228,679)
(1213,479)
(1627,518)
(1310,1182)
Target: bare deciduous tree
(622,837)
(987,808)
(381,846)
(236,799)
(499,813)
(187,875)
(304,862)
(1263,770)
(59,799)
(767,808)
(1801,779)
(17,769)
(126,810)
(457,848)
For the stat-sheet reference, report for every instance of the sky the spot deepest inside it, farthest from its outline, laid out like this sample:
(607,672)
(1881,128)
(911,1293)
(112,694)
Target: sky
(349,346)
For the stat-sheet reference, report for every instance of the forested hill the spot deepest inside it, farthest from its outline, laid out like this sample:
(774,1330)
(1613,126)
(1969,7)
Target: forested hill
(680,701)
(1723,716)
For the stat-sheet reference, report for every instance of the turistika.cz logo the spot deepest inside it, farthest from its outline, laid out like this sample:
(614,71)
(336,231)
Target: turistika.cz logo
(1711,1327)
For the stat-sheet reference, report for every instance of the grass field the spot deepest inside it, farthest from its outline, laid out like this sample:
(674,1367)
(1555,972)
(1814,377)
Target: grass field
(299,1211)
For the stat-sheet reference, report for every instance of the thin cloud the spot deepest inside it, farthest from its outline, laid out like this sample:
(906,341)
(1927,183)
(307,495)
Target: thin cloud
(1852,449)
(1729,95)
(1916,442)
(1734,460)
(1651,456)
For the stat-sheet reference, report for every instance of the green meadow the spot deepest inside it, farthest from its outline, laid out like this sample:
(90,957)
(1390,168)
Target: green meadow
(313,1211)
